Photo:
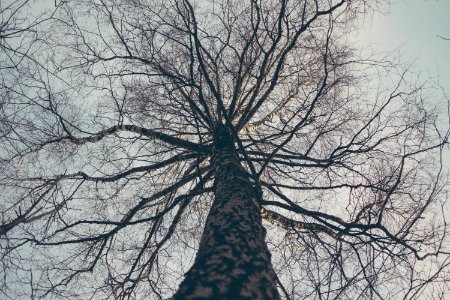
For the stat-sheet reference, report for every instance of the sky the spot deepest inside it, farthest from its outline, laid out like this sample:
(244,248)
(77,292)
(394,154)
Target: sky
(417,30)
(413,27)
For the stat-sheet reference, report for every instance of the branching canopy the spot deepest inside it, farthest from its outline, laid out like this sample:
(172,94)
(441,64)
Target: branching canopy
(107,117)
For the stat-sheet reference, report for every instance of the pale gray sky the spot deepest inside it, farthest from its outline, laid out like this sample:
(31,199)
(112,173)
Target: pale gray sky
(412,27)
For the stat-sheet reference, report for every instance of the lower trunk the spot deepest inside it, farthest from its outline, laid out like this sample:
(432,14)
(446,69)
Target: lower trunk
(233,261)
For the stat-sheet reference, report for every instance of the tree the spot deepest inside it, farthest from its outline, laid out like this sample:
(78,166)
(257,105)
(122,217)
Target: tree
(137,135)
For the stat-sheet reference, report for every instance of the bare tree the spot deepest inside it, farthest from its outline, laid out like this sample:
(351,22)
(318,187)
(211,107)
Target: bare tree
(218,150)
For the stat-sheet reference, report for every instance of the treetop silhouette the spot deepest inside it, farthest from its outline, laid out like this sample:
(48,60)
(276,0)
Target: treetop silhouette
(215,150)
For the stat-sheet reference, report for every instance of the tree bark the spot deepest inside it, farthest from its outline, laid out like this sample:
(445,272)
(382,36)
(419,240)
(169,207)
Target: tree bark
(233,261)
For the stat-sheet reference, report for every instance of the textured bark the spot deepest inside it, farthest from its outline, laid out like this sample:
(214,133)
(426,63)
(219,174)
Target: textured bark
(233,261)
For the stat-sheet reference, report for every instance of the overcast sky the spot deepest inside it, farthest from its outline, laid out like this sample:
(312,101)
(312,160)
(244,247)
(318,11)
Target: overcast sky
(412,27)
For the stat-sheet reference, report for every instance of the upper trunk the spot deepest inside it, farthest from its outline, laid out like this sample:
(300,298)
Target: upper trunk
(233,261)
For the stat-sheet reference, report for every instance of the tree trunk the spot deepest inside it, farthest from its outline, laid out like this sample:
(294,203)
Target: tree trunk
(233,261)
